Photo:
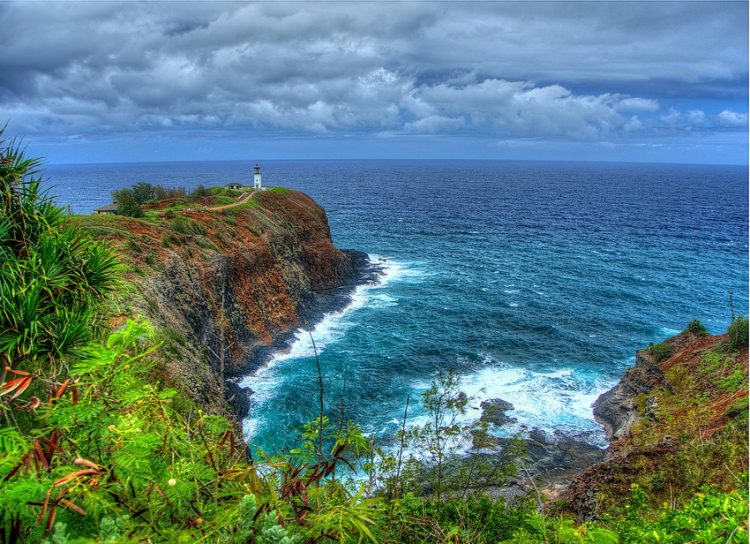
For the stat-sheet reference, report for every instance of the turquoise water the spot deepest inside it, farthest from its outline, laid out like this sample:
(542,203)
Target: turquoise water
(535,281)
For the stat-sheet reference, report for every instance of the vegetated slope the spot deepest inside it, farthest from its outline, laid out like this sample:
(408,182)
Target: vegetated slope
(678,420)
(226,285)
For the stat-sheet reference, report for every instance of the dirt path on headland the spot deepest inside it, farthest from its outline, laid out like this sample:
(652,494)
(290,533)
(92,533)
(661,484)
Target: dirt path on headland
(243,198)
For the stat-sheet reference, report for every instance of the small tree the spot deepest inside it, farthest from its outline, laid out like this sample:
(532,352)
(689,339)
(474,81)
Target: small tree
(127,203)
(438,440)
(738,332)
(143,192)
(696,328)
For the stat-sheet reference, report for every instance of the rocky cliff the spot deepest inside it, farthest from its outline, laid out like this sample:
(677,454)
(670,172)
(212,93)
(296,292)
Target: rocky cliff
(677,421)
(226,286)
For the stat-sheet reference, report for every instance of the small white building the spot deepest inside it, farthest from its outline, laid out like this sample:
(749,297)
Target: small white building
(256,177)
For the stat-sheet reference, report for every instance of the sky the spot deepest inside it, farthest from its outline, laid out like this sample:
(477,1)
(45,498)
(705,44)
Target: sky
(169,81)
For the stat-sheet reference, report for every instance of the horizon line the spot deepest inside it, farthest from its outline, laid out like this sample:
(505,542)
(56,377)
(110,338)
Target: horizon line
(363,159)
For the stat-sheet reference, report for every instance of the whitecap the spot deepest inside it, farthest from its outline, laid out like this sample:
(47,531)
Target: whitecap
(550,400)
(330,329)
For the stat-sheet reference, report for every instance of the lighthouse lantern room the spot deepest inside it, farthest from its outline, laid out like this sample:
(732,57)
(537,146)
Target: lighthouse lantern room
(256,177)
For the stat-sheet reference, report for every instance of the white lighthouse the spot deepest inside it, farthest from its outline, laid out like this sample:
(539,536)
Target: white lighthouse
(256,177)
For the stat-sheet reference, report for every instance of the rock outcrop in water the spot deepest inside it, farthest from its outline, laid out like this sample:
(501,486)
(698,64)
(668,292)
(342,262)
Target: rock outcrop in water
(228,286)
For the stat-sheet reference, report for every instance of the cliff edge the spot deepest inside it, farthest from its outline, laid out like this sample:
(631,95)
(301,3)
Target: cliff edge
(226,286)
(677,421)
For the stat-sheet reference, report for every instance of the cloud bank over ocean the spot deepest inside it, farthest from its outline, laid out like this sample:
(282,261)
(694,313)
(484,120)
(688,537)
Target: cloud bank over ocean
(415,78)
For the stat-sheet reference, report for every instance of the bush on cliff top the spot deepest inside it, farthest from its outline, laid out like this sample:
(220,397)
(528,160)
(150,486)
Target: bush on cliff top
(660,352)
(738,333)
(696,328)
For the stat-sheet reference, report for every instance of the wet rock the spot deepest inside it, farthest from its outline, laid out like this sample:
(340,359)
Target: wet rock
(615,409)
(238,398)
(493,412)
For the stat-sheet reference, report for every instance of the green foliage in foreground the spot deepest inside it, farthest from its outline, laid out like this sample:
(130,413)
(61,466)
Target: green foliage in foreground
(710,517)
(110,459)
(52,277)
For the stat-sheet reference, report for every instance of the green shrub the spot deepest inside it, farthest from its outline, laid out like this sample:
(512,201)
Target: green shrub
(660,352)
(735,381)
(169,239)
(53,277)
(710,516)
(127,203)
(696,328)
(738,332)
(185,225)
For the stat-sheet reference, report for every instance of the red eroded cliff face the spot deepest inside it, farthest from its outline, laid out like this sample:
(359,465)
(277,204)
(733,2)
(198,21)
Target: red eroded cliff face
(226,285)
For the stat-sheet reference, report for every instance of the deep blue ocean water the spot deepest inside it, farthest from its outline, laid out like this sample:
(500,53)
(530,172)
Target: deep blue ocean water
(535,281)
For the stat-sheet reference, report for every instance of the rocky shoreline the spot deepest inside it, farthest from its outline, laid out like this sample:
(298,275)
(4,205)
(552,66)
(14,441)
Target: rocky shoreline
(548,461)
(330,299)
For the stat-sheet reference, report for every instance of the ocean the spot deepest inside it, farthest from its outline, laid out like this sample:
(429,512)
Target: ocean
(535,281)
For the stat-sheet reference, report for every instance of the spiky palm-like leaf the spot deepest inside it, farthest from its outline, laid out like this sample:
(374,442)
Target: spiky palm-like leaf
(54,277)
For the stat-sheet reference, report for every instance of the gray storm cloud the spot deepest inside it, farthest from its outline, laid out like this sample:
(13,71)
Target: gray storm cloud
(497,69)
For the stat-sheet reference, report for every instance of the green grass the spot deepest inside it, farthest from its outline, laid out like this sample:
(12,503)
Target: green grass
(185,225)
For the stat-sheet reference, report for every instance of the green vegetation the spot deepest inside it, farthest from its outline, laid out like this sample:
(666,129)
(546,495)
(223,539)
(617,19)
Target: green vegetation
(738,333)
(660,352)
(696,328)
(185,225)
(710,517)
(131,201)
(127,204)
(96,446)
(53,276)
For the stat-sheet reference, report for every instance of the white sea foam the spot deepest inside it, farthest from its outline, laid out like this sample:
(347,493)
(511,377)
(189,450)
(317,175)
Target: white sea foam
(667,332)
(330,329)
(547,399)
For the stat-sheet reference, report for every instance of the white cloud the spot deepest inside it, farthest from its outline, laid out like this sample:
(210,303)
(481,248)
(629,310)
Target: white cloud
(100,68)
(729,118)
(637,105)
